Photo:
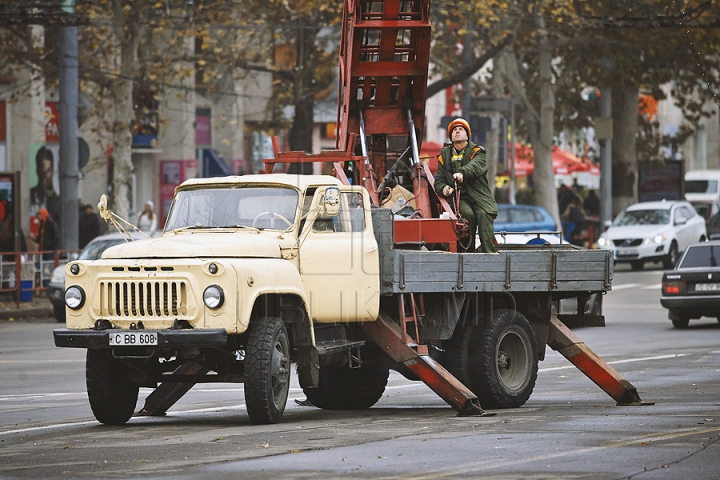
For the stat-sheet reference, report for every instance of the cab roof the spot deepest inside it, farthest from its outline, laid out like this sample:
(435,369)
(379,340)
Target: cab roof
(300,182)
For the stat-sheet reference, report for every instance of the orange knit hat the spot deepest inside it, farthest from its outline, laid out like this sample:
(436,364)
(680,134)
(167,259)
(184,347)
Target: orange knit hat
(459,122)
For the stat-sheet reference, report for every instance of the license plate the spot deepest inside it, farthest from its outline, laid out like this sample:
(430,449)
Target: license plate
(135,339)
(707,287)
(626,251)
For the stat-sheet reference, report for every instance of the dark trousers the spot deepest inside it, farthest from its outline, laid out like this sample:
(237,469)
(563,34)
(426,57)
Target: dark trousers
(479,219)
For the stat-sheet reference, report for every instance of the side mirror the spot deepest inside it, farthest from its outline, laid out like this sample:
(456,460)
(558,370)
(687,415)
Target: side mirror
(608,224)
(331,202)
(681,221)
(73,256)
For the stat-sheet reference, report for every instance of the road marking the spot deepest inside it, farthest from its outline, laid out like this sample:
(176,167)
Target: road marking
(653,287)
(487,465)
(626,285)
(615,362)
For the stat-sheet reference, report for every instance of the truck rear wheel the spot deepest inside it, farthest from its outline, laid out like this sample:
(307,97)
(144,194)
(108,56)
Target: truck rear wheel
(112,396)
(348,388)
(497,360)
(267,370)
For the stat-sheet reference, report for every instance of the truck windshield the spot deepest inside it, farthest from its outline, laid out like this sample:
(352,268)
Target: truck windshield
(258,207)
(642,217)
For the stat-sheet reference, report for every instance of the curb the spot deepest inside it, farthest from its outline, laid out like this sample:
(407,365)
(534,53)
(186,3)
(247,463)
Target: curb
(26,313)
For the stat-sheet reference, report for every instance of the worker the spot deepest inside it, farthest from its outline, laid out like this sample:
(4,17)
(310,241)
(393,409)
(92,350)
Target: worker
(465,164)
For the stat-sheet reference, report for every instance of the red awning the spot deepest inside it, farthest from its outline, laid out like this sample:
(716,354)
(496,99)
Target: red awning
(563,162)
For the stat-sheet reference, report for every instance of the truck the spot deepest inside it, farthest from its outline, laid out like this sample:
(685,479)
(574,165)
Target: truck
(346,276)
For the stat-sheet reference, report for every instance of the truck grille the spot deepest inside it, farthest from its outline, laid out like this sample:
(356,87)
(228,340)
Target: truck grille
(154,299)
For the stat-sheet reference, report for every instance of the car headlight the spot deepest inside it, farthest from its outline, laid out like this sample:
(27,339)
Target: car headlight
(58,276)
(602,242)
(213,297)
(74,297)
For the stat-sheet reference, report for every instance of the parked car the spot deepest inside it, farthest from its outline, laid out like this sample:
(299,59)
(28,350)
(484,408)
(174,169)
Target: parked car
(654,232)
(92,251)
(692,289)
(524,218)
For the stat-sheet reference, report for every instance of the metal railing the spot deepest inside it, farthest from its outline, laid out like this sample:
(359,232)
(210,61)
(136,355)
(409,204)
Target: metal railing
(29,271)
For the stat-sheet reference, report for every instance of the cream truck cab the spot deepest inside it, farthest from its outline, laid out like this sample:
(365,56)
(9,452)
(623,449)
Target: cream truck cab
(244,269)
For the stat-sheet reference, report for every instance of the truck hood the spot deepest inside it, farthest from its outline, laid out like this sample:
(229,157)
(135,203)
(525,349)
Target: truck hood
(244,244)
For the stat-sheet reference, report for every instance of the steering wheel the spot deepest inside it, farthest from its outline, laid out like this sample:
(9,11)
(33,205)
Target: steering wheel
(272,215)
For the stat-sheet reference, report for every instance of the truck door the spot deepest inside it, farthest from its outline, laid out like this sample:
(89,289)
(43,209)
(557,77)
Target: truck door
(339,260)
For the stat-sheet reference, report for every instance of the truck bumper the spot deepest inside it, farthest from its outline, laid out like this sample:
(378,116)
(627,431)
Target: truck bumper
(65,337)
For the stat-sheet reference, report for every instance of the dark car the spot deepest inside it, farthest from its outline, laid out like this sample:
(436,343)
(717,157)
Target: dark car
(524,218)
(692,289)
(92,251)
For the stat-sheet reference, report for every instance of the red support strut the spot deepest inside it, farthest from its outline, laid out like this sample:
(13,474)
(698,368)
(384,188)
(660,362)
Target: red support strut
(564,341)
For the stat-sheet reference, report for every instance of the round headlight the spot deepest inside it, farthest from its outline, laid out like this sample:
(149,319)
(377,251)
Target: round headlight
(659,238)
(601,242)
(213,297)
(74,297)
(74,268)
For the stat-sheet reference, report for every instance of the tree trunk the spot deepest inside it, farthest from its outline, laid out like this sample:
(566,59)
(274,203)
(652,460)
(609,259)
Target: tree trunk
(122,90)
(543,175)
(624,153)
(301,132)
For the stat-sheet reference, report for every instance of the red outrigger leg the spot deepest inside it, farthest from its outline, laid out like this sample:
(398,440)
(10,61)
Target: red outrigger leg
(564,341)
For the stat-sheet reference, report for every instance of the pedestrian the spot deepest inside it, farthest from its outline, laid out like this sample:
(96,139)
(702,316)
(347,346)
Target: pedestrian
(48,234)
(573,221)
(147,220)
(465,164)
(89,226)
(592,204)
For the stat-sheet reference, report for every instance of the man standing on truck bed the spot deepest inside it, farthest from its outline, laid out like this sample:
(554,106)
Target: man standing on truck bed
(466,163)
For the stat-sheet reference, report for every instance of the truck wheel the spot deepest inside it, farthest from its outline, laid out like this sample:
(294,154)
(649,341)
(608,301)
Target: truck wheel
(59,313)
(349,388)
(497,361)
(112,396)
(267,370)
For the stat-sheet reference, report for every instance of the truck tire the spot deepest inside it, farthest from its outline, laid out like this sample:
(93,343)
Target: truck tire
(267,370)
(497,360)
(112,396)
(349,388)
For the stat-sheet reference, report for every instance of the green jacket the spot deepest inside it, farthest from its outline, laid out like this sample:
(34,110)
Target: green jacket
(473,166)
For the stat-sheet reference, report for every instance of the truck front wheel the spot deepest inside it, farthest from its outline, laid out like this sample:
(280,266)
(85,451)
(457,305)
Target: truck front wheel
(267,370)
(349,388)
(112,396)
(497,360)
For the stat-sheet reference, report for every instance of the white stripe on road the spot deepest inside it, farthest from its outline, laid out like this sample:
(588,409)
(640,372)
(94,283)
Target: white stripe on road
(653,287)
(626,285)
(628,360)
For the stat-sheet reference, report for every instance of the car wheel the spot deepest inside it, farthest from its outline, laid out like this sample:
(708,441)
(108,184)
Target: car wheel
(672,257)
(681,322)
(637,264)
(59,313)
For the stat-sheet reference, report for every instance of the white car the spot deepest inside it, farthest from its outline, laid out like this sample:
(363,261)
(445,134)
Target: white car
(652,232)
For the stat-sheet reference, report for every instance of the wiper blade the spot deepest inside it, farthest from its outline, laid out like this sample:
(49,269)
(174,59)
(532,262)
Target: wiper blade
(189,227)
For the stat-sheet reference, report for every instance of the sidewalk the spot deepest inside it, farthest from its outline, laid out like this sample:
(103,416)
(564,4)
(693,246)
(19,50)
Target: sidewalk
(39,307)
